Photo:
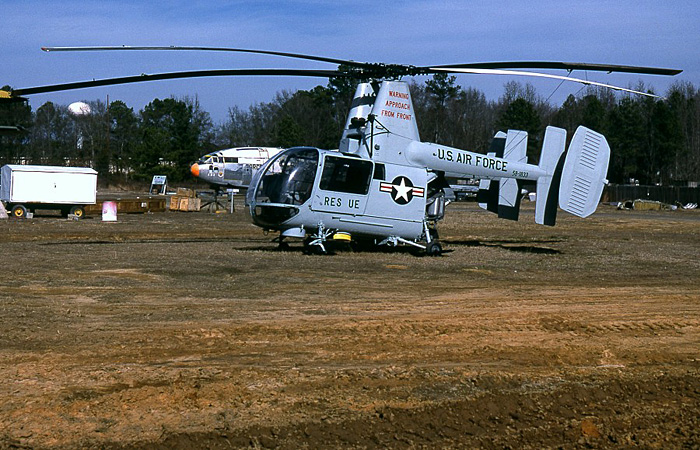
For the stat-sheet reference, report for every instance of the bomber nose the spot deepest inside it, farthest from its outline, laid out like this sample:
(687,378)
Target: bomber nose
(195,169)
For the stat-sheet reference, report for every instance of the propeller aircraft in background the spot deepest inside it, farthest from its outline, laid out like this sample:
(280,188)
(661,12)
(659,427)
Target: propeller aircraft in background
(232,167)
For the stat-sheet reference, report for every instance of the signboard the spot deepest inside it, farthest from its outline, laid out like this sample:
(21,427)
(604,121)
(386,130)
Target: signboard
(159,184)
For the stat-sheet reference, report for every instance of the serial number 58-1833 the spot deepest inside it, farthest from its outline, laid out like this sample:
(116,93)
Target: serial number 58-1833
(520,174)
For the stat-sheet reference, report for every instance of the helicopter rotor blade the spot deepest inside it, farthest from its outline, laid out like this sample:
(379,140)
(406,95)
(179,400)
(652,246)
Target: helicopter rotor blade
(539,75)
(564,66)
(212,49)
(171,76)
(481,65)
(348,69)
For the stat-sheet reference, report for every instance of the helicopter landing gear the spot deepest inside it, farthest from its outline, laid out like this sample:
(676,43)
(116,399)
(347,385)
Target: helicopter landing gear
(313,245)
(433,249)
(282,245)
(432,246)
(395,241)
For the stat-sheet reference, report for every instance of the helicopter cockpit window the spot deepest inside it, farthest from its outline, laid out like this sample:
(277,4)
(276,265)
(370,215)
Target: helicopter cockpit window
(289,178)
(348,175)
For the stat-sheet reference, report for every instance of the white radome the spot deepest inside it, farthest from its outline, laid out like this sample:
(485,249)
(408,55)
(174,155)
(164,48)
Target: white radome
(79,108)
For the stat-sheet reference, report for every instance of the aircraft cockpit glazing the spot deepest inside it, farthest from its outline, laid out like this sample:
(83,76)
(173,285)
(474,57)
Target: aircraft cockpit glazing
(206,159)
(284,183)
(216,159)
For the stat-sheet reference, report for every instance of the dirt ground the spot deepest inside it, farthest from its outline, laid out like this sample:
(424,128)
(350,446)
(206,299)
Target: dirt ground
(193,330)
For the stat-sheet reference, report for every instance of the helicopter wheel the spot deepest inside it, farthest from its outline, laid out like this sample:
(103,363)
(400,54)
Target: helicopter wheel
(433,249)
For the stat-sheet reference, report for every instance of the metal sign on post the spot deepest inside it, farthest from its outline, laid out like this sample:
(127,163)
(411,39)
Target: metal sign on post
(231,193)
(159,184)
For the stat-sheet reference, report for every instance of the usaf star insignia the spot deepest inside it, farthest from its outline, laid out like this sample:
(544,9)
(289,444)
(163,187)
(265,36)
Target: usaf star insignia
(402,190)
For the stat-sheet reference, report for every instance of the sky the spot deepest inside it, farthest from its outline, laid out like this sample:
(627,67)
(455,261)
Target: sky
(417,32)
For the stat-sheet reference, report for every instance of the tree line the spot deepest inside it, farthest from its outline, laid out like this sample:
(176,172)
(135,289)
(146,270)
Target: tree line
(653,141)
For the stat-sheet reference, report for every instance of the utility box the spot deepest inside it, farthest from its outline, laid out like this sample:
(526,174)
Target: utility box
(27,188)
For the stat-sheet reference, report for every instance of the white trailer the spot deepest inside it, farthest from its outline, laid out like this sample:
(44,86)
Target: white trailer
(28,188)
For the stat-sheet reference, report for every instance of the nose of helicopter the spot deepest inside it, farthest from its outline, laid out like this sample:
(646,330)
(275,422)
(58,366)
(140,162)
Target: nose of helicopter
(195,169)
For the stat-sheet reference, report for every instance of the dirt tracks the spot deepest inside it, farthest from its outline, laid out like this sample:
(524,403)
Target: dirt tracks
(191,330)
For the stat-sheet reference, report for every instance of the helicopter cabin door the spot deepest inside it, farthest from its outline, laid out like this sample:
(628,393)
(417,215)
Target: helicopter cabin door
(397,199)
(344,185)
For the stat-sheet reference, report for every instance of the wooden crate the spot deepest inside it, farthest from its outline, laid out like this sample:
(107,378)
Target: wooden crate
(184,192)
(178,203)
(130,206)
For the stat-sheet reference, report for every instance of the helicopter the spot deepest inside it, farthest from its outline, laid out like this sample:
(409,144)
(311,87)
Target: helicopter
(384,185)
(387,186)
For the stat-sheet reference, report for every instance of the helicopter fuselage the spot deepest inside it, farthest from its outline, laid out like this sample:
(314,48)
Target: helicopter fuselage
(307,189)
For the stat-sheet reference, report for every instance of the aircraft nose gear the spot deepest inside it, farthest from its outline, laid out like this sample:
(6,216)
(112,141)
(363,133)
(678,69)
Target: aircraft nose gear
(313,244)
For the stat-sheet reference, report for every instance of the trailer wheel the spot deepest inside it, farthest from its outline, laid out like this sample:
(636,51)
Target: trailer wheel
(78,211)
(19,211)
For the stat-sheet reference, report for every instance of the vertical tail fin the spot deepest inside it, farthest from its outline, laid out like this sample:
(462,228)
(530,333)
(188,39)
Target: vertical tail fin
(502,196)
(551,162)
(584,173)
(360,108)
(574,179)
(488,189)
